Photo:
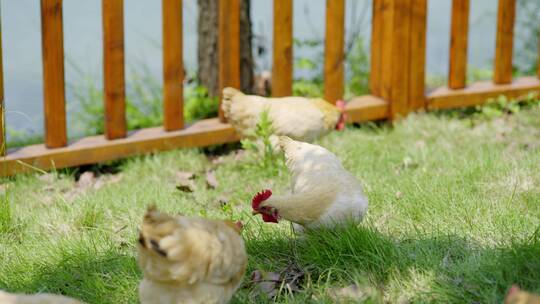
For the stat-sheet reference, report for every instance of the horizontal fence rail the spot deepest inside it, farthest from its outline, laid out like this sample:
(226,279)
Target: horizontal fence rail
(396,83)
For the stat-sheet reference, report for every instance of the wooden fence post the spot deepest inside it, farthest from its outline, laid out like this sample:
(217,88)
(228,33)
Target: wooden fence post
(3,143)
(229,47)
(173,67)
(538,59)
(334,50)
(457,72)
(417,86)
(398,52)
(506,12)
(52,38)
(113,66)
(282,67)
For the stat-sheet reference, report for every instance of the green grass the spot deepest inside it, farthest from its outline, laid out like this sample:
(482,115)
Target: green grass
(454,216)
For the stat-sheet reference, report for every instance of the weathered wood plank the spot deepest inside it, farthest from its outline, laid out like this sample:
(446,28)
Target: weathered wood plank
(173,67)
(2,103)
(417,84)
(95,149)
(377,25)
(505,41)
(229,46)
(206,132)
(387,13)
(282,69)
(459,36)
(113,66)
(367,108)
(52,38)
(400,70)
(334,50)
(478,93)
(538,62)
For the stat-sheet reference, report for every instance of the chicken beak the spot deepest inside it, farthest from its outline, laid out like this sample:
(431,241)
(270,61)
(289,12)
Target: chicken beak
(255,212)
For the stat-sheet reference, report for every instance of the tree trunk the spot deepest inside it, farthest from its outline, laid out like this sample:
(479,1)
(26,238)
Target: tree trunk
(207,53)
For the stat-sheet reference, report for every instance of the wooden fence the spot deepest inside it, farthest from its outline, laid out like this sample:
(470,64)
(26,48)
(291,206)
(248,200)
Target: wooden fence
(397,77)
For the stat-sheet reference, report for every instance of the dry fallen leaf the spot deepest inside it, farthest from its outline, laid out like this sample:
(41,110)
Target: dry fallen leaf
(107,179)
(211,181)
(266,282)
(86,180)
(269,283)
(217,160)
(185,175)
(239,155)
(48,178)
(184,181)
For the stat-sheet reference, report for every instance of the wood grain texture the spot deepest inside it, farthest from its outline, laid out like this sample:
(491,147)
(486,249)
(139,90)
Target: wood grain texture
(113,68)
(377,42)
(334,50)
(2,103)
(459,36)
(387,14)
(229,46)
(478,93)
(504,42)
(367,108)
(173,67)
(282,68)
(417,63)
(400,58)
(95,149)
(52,38)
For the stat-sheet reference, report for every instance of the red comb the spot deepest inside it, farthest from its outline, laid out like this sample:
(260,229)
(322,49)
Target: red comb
(259,198)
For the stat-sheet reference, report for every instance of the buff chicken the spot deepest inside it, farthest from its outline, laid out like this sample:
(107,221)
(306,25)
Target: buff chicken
(300,118)
(189,260)
(323,193)
(43,298)
(517,296)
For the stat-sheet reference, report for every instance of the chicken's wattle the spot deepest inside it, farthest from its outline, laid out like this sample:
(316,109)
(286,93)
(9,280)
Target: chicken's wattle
(340,104)
(268,216)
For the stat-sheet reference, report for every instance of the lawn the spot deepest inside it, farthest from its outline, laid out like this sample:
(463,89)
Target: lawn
(454,216)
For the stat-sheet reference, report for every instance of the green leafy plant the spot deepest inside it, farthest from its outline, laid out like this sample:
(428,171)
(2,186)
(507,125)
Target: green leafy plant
(199,104)
(357,69)
(260,142)
(308,88)
(144,103)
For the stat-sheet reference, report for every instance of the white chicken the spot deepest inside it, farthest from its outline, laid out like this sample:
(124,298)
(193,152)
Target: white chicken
(300,118)
(42,298)
(189,260)
(323,192)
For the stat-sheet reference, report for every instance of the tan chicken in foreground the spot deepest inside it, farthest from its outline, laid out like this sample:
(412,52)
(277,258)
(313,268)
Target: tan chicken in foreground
(517,296)
(300,118)
(189,260)
(323,192)
(44,298)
